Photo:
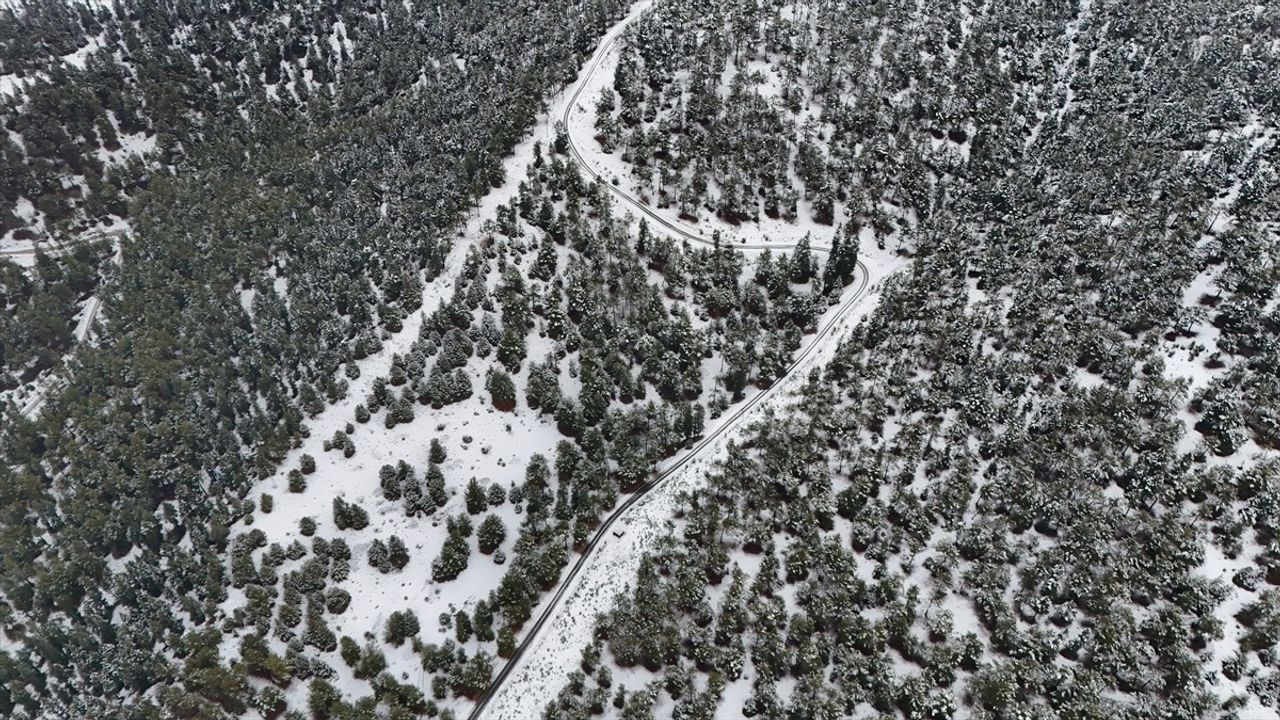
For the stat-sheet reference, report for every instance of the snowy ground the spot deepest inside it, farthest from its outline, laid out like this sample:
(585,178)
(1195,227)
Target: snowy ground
(1198,360)
(499,448)
(580,122)
(542,670)
(495,447)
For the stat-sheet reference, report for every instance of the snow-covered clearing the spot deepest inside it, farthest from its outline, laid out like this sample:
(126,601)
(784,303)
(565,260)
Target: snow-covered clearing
(499,446)
(483,443)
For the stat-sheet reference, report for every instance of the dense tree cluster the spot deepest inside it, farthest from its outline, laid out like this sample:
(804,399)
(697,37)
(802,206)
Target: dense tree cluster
(615,300)
(802,112)
(647,337)
(38,308)
(309,162)
(1014,489)
(1002,496)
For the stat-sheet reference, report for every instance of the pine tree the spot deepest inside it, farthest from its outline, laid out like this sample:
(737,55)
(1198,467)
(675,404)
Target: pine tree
(511,350)
(506,642)
(544,265)
(802,262)
(400,410)
(437,453)
(495,495)
(462,626)
(595,393)
(402,625)
(318,634)
(452,560)
(537,473)
(639,706)
(831,280)
(501,389)
(379,557)
(389,479)
(843,261)
(397,553)
(491,533)
(514,596)
(349,515)
(475,497)
(372,663)
(824,205)
(397,376)
(336,601)
(435,486)
(561,143)
(322,697)
(569,418)
(350,650)
(414,502)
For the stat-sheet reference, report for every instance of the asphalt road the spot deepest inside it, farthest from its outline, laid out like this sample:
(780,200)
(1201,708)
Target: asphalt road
(677,229)
(36,400)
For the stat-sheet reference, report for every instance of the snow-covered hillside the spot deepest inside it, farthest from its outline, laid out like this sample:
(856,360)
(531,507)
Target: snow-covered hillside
(545,232)
(946,521)
(686,358)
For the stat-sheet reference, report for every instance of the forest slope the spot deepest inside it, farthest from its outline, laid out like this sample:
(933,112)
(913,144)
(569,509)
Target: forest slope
(1040,480)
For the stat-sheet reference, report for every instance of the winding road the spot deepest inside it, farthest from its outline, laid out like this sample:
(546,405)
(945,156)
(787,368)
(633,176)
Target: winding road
(677,229)
(32,404)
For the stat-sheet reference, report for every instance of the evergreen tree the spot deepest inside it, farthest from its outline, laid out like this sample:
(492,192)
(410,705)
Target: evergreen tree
(402,625)
(462,626)
(350,651)
(491,533)
(414,500)
(349,515)
(397,553)
(802,262)
(495,495)
(561,143)
(502,391)
(389,479)
(453,559)
(506,642)
(379,557)
(595,394)
(475,497)
(437,453)
(436,493)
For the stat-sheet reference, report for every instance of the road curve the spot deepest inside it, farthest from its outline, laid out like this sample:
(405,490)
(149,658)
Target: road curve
(57,247)
(851,299)
(84,328)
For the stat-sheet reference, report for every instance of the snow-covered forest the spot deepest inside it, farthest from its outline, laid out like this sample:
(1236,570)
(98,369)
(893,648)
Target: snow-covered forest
(1041,479)
(696,359)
